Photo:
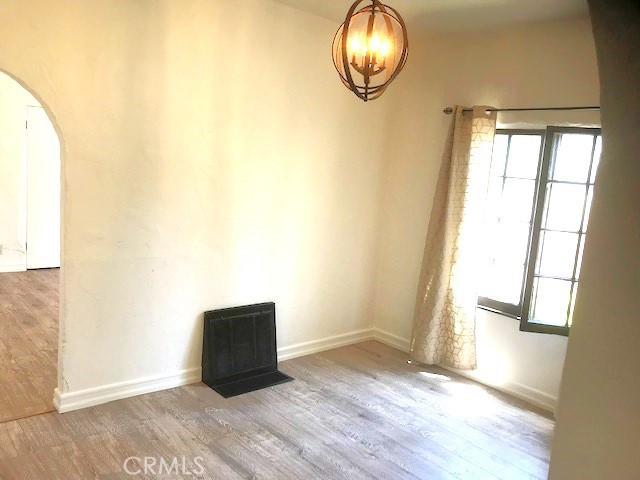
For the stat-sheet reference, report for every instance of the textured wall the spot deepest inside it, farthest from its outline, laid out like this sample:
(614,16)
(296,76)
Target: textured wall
(549,64)
(211,158)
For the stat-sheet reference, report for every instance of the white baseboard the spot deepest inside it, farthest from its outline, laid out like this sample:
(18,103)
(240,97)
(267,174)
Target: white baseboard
(69,401)
(518,390)
(523,392)
(534,396)
(10,268)
(391,340)
(40,263)
(327,343)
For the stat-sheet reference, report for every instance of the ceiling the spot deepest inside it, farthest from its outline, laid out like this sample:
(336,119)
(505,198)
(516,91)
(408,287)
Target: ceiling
(453,15)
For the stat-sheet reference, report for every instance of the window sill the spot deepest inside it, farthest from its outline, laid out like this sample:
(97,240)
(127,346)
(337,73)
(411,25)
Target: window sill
(498,312)
(528,327)
(541,328)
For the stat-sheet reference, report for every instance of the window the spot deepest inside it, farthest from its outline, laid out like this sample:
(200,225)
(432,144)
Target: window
(540,194)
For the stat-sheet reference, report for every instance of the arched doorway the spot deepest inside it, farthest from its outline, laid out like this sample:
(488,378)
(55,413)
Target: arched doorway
(30,253)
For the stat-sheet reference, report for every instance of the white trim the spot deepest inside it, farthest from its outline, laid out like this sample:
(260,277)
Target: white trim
(69,401)
(523,392)
(41,262)
(327,343)
(15,267)
(391,340)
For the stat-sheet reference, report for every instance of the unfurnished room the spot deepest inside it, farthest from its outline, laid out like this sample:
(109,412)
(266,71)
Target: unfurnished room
(332,239)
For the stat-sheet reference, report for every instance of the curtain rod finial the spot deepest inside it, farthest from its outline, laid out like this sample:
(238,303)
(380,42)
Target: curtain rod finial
(448,110)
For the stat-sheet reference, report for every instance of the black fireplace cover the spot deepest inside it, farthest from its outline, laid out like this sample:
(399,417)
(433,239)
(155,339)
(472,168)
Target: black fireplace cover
(239,351)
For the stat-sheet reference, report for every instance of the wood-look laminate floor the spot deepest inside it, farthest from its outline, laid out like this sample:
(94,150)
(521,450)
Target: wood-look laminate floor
(358,412)
(28,342)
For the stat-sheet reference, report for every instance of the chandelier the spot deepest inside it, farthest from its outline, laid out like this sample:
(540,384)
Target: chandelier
(370,48)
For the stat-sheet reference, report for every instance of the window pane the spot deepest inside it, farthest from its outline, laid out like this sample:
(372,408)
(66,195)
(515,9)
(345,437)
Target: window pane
(508,243)
(565,203)
(580,253)
(550,301)
(524,156)
(494,197)
(499,155)
(587,211)
(517,200)
(573,304)
(503,282)
(558,253)
(596,159)
(573,157)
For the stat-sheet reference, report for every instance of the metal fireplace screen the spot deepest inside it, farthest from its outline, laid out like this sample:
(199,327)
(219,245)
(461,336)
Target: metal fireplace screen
(239,352)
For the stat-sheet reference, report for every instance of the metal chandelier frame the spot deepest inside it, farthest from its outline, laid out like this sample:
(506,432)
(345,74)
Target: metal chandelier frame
(339,49)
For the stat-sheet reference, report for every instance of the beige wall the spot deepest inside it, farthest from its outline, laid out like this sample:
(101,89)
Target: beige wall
(14,101)
(208,162)
(598,430)
(211,158)
(548,64)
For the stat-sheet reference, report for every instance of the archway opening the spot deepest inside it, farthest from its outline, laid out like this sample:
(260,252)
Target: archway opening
(30,252)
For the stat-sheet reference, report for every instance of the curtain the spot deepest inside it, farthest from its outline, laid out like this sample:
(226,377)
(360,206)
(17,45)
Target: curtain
(444,324)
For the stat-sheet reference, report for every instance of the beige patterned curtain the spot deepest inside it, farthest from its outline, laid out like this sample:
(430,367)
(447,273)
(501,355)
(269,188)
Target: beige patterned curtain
(444,325)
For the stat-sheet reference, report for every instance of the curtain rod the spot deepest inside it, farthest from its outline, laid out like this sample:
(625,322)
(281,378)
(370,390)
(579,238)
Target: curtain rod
(449,110)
